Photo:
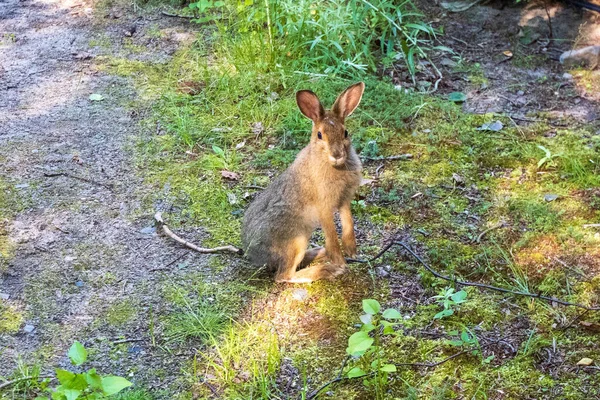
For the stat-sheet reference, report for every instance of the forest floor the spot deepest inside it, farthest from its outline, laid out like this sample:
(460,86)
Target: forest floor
(169,112)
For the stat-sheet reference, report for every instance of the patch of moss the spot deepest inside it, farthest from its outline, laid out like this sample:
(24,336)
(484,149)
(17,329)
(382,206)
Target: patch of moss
(120,313)
(11,319)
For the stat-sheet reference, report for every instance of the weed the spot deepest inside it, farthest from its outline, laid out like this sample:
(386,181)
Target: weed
(449,299)
(88,385)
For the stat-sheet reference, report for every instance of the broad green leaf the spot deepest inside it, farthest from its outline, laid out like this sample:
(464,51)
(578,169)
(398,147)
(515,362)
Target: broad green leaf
(93,379)
(367,327)
(390,313)
(114,384)
(443,314)
(58,394)
(356,372)
(388,368)
(359,342)
(371,306)
(366,318)
(455,342)
(459,297)
(77,353)
(488,359)
(72,394)
(64,377)
(96,97)
(457,97)
(388,330)
(41,398)
(219,151)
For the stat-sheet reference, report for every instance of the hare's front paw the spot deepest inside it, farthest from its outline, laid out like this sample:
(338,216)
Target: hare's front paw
(337,258)
(349,248)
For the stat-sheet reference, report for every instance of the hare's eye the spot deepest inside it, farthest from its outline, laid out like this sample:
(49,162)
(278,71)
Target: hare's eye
(346,133)
(319,135)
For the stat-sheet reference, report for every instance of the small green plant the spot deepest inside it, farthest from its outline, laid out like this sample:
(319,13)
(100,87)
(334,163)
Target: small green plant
(88,385)
(449,299)
(367,347)
(468,340)
(548,158)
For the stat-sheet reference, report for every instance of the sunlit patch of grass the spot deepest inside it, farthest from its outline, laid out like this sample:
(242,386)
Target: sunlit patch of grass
(243,361)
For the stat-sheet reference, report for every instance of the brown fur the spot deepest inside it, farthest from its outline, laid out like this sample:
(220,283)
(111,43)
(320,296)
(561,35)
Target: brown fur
(322,180)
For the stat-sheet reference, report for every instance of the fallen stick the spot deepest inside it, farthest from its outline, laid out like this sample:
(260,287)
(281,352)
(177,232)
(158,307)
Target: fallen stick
(176,15)
(468,283)
(482,234)
(169,233)
(27,378)
(79,178)
(406,156)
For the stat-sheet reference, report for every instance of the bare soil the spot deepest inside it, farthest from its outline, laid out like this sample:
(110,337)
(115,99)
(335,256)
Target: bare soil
(88,264)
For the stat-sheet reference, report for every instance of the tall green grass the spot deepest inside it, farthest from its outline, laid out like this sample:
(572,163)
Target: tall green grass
(345,38)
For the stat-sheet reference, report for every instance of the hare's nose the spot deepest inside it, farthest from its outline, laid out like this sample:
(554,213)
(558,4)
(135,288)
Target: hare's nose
(337,155)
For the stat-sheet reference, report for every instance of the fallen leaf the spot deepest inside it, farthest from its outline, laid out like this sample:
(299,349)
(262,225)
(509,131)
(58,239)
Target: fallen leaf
(460,5)
(257,128)
(457,97)
(550,197)
(364,181)
(96,97)
(585,361)
(508,53)
(458,179)
(232,176)
(491,126)
(590,326)
(190,87)
(232,198)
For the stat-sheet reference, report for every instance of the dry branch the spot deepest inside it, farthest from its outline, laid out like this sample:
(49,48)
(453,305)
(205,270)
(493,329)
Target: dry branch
(468,283)
(203,250)
(406,156)
(27,378)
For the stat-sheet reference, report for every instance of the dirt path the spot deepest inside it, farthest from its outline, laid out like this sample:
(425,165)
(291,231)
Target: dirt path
(87,254)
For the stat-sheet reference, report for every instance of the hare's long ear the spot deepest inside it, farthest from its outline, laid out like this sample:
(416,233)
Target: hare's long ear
(309,104)
(347,102)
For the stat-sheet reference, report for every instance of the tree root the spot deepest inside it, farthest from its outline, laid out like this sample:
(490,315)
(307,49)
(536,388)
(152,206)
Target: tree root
(203,250)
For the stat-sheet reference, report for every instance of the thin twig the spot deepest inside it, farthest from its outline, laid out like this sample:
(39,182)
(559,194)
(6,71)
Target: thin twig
(254,187)
(482,234)
(169,264)
(169,233)
(467,283)
(591,225)
(79,178)
(27,378)
(176,15)
(406,156)
(127,340)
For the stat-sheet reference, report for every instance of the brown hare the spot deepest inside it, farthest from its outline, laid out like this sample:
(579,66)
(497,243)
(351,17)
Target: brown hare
(322,180)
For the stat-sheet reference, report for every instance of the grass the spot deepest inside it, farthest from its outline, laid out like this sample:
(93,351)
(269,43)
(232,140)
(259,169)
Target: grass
(256,340)
(500,181)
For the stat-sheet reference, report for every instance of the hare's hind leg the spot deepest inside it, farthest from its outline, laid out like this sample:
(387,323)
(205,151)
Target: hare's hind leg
(293,256)
(319,271)
(296,256)
(311,255)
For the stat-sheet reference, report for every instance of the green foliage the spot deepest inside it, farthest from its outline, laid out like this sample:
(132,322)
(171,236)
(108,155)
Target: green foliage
(85,386)
(367,347)
(449,300)
(548,158)
(337,37)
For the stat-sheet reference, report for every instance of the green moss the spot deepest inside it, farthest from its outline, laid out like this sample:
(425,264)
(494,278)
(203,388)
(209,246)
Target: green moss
(10,319)
(120,313)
